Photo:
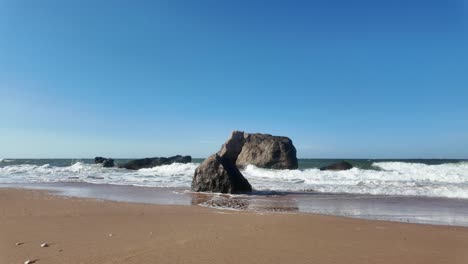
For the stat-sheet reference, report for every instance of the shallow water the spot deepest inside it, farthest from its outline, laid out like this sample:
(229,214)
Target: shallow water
(427,210)
(428,178)
(416,191)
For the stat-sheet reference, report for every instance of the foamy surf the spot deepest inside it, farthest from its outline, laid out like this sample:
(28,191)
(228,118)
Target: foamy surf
(386,178)
(391,178)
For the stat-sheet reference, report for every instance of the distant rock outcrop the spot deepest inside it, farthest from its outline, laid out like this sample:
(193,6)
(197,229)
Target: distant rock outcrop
(153,162)
(219,173)
(342,165)
(106,163)
(267,151)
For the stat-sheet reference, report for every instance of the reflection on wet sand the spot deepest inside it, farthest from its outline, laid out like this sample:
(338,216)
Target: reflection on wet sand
(397,208)
(250,202)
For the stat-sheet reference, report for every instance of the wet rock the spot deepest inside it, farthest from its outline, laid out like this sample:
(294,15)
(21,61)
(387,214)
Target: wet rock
(153,162)
(339,166)
(219,173)
(267,151)
(106,163)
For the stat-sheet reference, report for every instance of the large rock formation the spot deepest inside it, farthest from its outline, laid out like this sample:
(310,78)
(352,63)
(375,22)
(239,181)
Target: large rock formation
(106,163)
(342,165)
(267,151)
(219,172)
(153,162)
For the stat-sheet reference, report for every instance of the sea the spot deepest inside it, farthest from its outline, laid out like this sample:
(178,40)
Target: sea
(433,191)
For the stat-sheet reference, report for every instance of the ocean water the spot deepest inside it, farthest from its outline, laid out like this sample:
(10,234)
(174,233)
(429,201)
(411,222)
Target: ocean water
(412,178)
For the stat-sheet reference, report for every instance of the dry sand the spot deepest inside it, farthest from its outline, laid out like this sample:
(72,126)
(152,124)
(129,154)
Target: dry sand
(77,231)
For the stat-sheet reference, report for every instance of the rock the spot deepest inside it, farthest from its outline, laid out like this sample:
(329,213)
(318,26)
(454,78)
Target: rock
(45,245)
(342,165)
(19,243)
(219,173)
(153,162)
(232,147)
(267,151)
(29,261)
(106,163)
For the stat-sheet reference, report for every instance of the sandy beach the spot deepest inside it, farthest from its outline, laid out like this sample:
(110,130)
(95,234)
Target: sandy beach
(93,231)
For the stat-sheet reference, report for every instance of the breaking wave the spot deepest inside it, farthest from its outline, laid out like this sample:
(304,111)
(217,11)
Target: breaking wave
(386,178)
(173,175)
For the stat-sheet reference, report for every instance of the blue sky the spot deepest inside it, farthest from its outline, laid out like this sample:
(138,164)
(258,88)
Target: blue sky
(345,79)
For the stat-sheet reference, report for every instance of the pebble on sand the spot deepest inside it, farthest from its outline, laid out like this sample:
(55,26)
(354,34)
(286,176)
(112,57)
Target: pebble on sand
(19,243)
(45,245)
(29,261)
(110,234)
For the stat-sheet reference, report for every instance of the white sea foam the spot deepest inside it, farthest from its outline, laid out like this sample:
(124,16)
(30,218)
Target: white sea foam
(392,178)
(174,175)
(175,169)
(388,178)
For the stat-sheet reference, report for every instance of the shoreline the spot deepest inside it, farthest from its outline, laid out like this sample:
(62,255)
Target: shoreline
(96,231)
(418,210)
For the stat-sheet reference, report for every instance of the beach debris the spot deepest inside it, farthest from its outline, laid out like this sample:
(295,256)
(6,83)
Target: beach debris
(44,245)
(19,243)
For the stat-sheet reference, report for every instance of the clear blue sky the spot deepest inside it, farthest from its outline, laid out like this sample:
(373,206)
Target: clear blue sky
(351,79)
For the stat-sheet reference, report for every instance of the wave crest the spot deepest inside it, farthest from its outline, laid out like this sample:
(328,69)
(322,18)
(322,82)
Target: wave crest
(393,178)
(389,178)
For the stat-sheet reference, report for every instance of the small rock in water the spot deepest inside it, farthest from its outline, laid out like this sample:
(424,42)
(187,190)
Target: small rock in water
(45,245)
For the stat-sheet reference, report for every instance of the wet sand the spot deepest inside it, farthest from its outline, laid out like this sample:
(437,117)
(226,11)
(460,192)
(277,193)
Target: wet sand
(81,230)
(428,210)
